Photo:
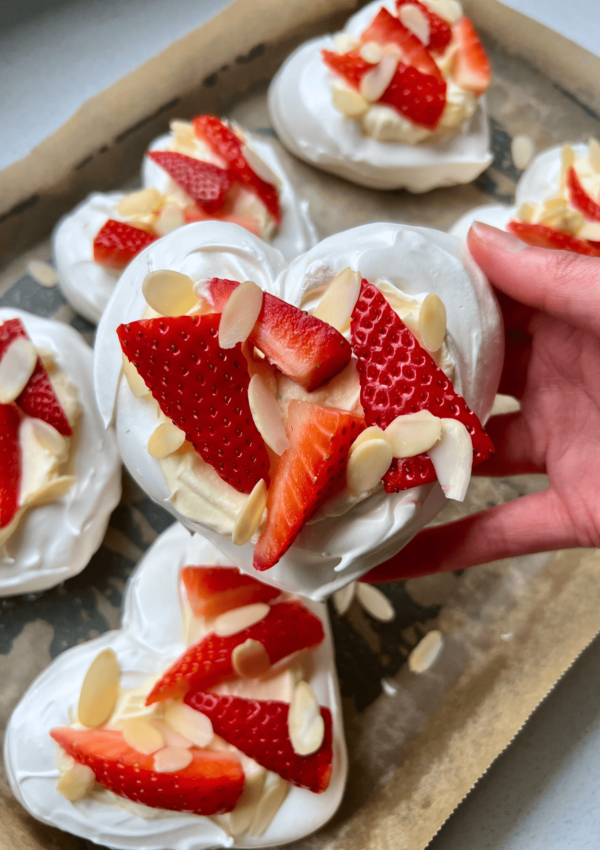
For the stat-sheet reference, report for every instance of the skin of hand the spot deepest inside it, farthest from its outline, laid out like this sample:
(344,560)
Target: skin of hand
(550,301)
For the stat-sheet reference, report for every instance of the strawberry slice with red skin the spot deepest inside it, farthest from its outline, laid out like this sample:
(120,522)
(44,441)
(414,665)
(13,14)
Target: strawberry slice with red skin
(541,236)
(580,198)
(39,399)
(288,627)
(397,377)
(10,463)
(470,66)
(203,389)
(205,183)
(306,349)
(259,728)
(210,785)
(225,144)
(212,591)
(306,475)
(117,243)
(351,66)
(440,31)
(386,29)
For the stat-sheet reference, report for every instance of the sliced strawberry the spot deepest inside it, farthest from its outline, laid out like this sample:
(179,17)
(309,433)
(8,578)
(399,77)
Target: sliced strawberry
(440,31)
(287,628)
(39,398)
(351,66)
(306,349)
(213,590)
(386,29)
(397,376)
(210,785)
(10,463)
(260,730)
(224,142)
(203,389)
(248,222)
(541,236)
(307,473)
(580,198)
(117,243)
(471,66)
(205,183)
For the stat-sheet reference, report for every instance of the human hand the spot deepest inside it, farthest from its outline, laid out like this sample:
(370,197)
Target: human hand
(550,301)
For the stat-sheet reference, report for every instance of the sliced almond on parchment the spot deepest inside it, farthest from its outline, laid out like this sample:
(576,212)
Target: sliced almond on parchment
(347,101)
(240,314)
(250,517)
(259,166)
(136,383)
(142,735)
(306,727)
(170,218)
(373,432)
(452,458)
(270,803)
(238,619)
(100,690)
(376,81)
(367,465)
(267,415)
(594,154)
(375,602)
(169,293)
(432,321)
(16,368)
(250,660)
(76,782)
(522,150)
(165,440)
(172,759)
(342,599)
(339,300)
(193,725)
(414,19)
(413,433)
(426,652)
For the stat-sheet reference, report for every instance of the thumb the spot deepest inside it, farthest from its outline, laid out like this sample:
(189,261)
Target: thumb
(562,284)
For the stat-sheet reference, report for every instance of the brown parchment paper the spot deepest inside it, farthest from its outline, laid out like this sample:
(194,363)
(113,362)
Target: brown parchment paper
(417,743)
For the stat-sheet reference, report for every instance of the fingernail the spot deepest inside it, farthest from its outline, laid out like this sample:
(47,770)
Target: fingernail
(499,239)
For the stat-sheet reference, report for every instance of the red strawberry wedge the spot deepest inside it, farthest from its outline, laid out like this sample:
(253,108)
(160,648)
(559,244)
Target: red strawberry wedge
(540,236)
(580,198)
(471,66)
(39,398)
(205,183)
(10,463)
(306,349)
(440,31)
(307,473)
(260,730)
(210,785)
(397,376)
(212,591)
(224,142)
(117,243)
(288,627)
(386,29)
(351,66)
(203,389)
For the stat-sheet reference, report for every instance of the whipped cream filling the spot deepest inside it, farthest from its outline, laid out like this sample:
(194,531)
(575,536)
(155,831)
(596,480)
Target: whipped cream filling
(411,261)
(54,540)
(394,153)
(151,637)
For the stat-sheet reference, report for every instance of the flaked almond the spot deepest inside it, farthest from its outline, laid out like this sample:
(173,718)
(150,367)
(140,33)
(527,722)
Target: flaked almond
(522,150)
(339,300)
(43,273)
(240,314)
(182,128)
(165,440)
(270,803)
(250,517)
(250,660)
(375,82)
(371,52)
(135,381)
(452,458)
(171,737)
(99,691)
(306,727)
(567,160)
(51,491)
(426,652)
(267,415)
(413,18)
(169,293)
(525,212)
(50,439)
(238,619)
(342,599)
(172,759)
(344,42)
(367,465)
(245,809)
(373,432)
(449,10)
(594,154)
(259,166)
(590,230)
(192,725)
(142,735)
(432,322)
(375,602)
(170,218)
(347,101)
(413,433)
(76,782)
(139,203)
(16,368)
